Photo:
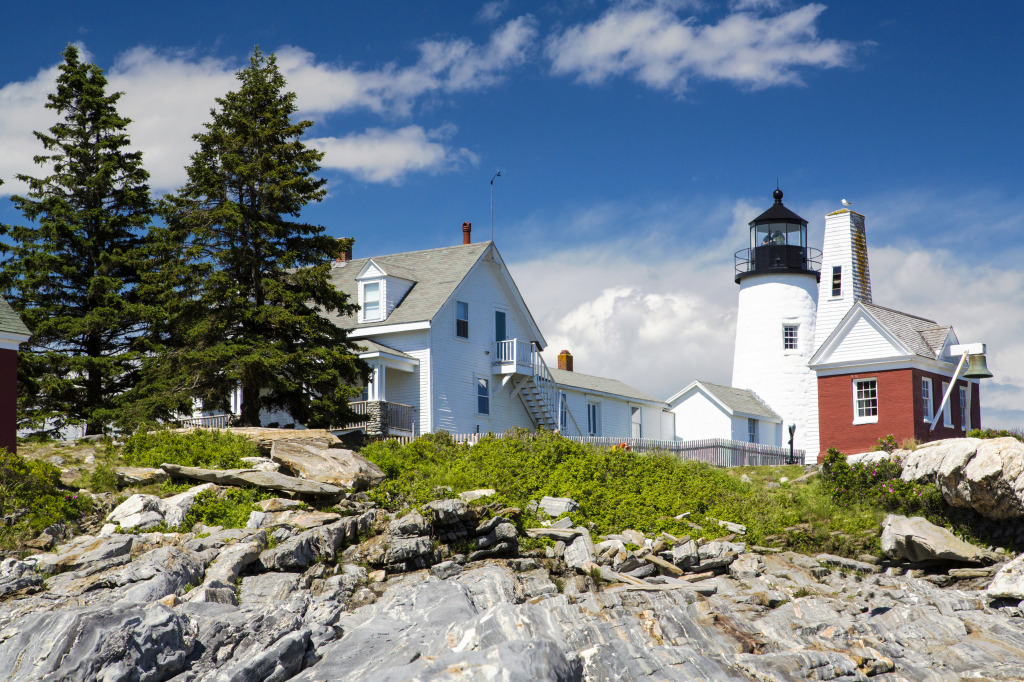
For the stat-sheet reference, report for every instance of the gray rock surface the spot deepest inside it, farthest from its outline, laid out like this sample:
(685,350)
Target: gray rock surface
(335,466)
(1008,582)
(915,539)
(556,506)
(270,480)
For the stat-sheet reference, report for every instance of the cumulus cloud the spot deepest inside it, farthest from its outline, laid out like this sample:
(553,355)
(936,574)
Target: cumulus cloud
(380,155)
(652,44)
(492,11)
(658,314)
(169,95)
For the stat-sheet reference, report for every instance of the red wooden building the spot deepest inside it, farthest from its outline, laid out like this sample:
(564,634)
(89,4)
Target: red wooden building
(13,333)
(884,372)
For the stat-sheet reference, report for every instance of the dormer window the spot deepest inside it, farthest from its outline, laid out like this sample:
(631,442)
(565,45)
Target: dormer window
(371,301)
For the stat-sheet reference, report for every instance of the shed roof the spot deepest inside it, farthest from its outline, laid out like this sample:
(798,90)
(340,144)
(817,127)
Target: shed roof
(588,382)
(10,322)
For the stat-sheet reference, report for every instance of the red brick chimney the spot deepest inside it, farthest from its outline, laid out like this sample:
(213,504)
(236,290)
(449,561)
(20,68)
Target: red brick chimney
(565,361)
(466,229)
(344,250)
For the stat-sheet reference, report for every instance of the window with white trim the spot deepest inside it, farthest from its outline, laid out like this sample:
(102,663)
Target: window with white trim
(837,280)
(636,421)
(926,399)
(462,319)
(563,412)
(865,401)
(963,408)
(789,336)
(483,396)
(593,419)
(947,411)
(371,301)
(751,430)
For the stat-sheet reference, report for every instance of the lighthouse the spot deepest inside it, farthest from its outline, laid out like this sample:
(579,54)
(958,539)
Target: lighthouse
(778,276)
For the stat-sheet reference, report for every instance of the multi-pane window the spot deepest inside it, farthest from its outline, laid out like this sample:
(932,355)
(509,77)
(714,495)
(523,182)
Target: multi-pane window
(462,319)
(593,426)
(865,408)
(789,337)
(563,412)
(837,280)
(371,301)
(963,408)
(483,397)
(752,430)
(926,398)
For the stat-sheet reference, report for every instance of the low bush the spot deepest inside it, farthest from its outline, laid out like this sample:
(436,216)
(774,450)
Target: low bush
(993,433)
(199,448)
(32,498)
(879,484)
(230,510)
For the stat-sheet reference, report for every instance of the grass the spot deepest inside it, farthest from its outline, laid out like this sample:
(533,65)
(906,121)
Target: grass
(618,490)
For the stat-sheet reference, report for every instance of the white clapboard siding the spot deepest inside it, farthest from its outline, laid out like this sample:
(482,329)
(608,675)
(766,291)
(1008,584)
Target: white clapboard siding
(864,342)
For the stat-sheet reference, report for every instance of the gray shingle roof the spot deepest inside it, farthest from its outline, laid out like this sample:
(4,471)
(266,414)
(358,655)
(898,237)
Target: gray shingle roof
(740,400)
(922,336)
(9,320)
(436,273)
(374,347)
(587,382)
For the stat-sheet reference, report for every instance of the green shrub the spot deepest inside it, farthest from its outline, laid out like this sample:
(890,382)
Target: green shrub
(886,444)
(879,484)
(993,433)
(31,498)
(199,448)
(231,510)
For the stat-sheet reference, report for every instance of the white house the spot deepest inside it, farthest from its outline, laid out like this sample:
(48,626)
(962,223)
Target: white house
(453,346)
(705,410)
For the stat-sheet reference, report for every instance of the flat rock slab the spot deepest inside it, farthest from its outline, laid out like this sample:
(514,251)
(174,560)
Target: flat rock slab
(334,466)
(915,539)
(556,506)
(127,476)
(251,477)
(1008,582)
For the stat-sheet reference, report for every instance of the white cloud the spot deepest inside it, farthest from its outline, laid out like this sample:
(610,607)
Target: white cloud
(651,43)
(379,155)
(658,313)
(169,94)
(492,11)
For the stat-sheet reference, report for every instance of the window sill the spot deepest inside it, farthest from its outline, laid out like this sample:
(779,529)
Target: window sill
(865,420)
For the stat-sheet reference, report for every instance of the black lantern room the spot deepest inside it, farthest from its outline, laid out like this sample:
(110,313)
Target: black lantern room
(778,243)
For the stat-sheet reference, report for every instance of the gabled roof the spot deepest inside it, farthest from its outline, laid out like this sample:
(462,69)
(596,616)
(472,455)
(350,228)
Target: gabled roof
(739,401)
(9,320)
(436,273)
(908,335)
(389,269)
(921,336)
(587,382)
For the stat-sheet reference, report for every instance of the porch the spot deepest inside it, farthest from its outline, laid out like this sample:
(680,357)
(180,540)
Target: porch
(380,417)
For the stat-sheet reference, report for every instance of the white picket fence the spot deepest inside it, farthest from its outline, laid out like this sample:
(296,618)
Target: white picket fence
(720,452)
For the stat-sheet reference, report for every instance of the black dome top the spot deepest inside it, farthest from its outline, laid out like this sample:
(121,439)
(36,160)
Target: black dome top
(777,213)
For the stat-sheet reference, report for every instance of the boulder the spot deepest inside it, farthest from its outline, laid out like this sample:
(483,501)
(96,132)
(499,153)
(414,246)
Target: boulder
(408,526)
(335,466)
(556,506)
(746,567)
(915,539)
(471,495)
(1008,582)
(141,512)
(266,437)
(251,477)
(261,464)
(127,476)
(580,551)
(448,512)
(82,551)
(685,555)
(299,519)
(634,537)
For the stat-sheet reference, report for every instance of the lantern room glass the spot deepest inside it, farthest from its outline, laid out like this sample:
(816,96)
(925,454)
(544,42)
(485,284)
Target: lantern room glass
(778,234)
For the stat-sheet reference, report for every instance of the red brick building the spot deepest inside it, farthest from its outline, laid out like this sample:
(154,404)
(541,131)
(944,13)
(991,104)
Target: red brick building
(13,333)
(884,372)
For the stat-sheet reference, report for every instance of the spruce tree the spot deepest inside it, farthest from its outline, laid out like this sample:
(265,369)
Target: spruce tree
(250,281)
(72,273)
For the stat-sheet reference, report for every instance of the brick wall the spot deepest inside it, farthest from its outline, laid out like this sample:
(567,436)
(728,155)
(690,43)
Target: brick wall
(900,410)
(9,399)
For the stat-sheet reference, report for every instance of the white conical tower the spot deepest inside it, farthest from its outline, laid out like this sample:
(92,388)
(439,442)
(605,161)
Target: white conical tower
(775,322)
(844,268)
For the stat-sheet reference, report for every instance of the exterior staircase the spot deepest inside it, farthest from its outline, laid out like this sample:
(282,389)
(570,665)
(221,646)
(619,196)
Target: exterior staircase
(523,366)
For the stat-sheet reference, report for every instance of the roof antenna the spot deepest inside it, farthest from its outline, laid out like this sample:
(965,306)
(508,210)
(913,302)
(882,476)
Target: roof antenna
(496,175)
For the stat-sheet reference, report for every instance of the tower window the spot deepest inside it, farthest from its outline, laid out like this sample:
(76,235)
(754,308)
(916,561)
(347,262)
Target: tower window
(789,337)
(837,280)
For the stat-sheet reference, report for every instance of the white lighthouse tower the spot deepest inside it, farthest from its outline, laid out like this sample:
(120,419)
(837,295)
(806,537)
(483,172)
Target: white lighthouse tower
(845,264)
(775,324)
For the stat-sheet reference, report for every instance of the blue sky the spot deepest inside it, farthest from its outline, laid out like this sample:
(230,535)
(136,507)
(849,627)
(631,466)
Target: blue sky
(636,139)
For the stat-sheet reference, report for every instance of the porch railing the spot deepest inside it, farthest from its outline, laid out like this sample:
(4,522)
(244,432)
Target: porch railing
(513,351)
(212,421)
(399,417)
(720,452)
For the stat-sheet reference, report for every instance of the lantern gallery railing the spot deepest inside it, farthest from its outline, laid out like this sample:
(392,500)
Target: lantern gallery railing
(777,258)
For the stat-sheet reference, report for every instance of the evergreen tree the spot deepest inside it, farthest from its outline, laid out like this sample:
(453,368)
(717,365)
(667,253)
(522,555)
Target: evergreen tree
(250,284)
(73,272)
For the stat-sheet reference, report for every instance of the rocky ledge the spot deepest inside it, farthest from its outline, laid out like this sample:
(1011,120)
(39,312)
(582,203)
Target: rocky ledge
(446,592)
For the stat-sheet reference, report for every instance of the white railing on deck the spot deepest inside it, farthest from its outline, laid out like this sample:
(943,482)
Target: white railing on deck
(512,351)
(212,421)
